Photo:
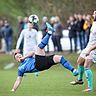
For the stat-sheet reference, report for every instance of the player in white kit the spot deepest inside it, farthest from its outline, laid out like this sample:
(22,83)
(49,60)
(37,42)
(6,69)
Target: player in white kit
(29,38)
(87,58)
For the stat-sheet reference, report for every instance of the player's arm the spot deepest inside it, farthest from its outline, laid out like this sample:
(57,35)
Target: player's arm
(17,83)
(92,48)
(20,58)
(20,39)
(30,54)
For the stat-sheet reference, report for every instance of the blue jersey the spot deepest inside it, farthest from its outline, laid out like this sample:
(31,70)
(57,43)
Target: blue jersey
(27,66)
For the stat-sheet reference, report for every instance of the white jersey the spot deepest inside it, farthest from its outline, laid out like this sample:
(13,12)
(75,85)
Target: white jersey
(92,39)
(29,40)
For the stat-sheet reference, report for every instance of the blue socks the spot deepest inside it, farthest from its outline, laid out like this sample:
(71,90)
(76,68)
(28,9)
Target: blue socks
(89,76)
(66,64)
(44,41)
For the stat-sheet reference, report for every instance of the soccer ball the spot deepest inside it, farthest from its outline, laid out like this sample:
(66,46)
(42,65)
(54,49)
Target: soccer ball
(33,19)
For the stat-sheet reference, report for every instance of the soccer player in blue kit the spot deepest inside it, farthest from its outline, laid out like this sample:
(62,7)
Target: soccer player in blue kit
(39,62)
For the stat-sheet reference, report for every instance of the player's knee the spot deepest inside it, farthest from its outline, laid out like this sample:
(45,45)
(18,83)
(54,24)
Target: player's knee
(57,58)
(87,63)
(80,61)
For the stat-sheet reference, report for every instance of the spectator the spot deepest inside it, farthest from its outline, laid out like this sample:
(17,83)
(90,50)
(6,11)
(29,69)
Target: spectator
(20,28)
(58,33)
(80,31)
(1,35)
(3,44)
(25,22)
(87,26)
(8,36)
(44,29)
(52,22)
(72,34)
(43,26)
(20,25)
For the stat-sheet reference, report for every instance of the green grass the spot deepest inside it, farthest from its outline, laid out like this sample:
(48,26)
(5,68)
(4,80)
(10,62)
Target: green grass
(54,82)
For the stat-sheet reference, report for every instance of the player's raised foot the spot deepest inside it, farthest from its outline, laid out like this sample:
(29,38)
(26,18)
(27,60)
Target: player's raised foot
(80,82)
(87,90)
(75,72)
(50,28)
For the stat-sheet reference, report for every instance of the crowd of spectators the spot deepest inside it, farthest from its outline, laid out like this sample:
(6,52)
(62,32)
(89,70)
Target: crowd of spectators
(78,26)
(79,31)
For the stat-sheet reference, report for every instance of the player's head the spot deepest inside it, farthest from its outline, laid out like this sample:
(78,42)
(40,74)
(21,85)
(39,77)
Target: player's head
(94,15)
(33,19)
(18,56)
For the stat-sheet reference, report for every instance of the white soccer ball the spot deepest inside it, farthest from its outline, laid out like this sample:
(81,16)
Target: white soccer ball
(33,18)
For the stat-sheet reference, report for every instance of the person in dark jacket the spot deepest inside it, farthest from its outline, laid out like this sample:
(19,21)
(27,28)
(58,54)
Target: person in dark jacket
(44,29)
(80,31)
(20,25)
(72,34)
(8,34)
(1,26)
(43,26)
(57,35)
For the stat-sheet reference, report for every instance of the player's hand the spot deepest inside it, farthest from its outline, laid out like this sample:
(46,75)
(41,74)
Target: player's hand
(22,58)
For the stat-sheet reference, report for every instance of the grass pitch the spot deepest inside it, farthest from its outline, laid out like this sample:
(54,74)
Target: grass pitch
(53,82)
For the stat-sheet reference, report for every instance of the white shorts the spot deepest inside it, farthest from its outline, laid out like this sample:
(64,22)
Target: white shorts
(92,55)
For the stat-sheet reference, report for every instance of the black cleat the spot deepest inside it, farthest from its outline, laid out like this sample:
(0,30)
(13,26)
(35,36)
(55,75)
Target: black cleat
(80,82)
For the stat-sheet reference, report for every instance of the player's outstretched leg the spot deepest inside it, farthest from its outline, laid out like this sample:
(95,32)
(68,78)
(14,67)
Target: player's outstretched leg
(68,66)
(45,40)
(65,63)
